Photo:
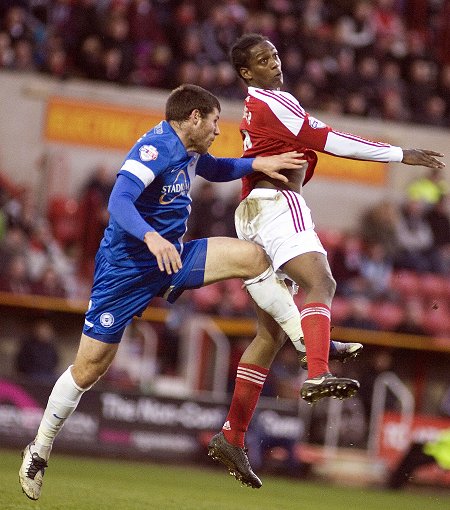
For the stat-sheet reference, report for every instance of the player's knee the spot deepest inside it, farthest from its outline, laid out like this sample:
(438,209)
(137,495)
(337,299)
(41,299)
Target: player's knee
(86,375)
(256,261)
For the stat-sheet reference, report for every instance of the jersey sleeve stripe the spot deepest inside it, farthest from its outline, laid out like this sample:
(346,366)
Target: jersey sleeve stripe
(359,139)
(138,169)
(352,147)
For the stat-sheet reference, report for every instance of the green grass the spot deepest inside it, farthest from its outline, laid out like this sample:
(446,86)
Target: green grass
(73,483)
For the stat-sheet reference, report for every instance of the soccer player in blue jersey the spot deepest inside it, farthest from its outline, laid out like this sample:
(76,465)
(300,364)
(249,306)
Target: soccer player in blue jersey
(142,254)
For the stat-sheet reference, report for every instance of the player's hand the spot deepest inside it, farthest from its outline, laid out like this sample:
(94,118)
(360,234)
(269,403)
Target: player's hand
(270,165)
(166,254)
(422,157)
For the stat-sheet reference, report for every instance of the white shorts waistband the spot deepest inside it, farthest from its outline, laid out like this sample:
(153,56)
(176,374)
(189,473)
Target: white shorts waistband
(263,193)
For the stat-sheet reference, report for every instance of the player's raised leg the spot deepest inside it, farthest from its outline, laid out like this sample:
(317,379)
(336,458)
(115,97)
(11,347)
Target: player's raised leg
(312,272)
(248,261)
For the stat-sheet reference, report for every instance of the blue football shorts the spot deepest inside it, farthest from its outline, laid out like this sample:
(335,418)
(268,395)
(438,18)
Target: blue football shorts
(121,293)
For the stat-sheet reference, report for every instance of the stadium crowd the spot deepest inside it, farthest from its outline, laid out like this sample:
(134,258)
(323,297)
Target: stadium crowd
(387,59)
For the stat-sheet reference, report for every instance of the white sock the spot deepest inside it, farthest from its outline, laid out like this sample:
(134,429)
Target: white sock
(61,404)
(272,295)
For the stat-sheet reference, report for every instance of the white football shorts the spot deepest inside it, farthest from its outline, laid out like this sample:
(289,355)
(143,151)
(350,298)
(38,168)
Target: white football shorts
(280,222)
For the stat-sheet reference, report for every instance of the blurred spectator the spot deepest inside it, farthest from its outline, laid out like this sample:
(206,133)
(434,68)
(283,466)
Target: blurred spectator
(438,218)
(37,358)
(391,79)
(357,30)
(434,112)
(346,263)
(49,283)
(375,272)
(390,33)
(422,75)
(153,67)
(394,107)
(218,32)
(368,70)
(45,251)
(428,188)
(14,276)
(23,56)
(415,239)
(15,242)
(89,57)
(356,103)
(93,215)
(378,224)
(212,214)
(15,24)
(379,362)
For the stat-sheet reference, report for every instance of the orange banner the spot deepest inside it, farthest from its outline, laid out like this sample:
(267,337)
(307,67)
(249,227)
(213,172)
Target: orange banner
(364,172)
(112,127)
(109,126)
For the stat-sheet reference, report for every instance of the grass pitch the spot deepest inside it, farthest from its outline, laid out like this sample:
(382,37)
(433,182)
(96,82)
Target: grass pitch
(73,483)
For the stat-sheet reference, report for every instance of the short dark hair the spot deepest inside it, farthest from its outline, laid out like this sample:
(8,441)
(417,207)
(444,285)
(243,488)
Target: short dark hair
(186,98)
(240,51)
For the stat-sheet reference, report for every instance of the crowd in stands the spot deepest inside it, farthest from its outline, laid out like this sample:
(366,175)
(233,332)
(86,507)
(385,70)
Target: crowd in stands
(387,59)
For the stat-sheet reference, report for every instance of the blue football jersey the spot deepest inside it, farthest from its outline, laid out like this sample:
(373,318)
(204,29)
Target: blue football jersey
(161,166)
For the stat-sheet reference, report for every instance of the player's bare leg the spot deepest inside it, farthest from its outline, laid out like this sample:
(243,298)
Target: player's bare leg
(92,361)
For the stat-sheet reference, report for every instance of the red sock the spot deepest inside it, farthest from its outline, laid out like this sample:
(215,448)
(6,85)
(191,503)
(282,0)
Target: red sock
(249,383)
(315,319)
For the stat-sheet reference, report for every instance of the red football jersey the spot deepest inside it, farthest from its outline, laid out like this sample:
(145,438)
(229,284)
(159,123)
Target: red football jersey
(274,122)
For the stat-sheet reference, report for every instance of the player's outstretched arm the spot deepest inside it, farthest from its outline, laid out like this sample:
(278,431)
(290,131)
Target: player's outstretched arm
(165,252)
(271,165)
(422,157)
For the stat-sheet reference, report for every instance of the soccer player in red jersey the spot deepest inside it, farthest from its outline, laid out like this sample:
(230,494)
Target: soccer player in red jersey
(275,216)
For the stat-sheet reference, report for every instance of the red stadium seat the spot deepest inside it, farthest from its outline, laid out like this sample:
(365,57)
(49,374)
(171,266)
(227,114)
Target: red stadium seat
(387,315)
(330,238)
(436,321)
(340,309)
(406,283)
(433,286)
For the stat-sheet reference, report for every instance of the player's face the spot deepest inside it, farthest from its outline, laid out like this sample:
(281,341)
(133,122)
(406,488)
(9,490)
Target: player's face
(205,131)
(264,67)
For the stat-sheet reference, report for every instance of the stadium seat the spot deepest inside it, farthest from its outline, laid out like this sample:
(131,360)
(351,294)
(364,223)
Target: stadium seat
(406,283)
(387,315)
(340,309)
(433,286)
(436,321)
(330,238)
